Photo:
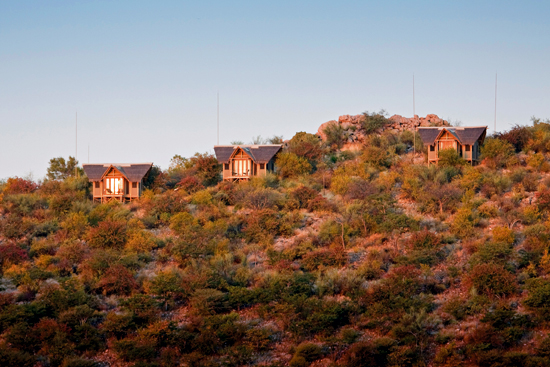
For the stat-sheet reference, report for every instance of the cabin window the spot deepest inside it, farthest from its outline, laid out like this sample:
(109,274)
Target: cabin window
(113,186)
(126,189)
(432,148)
(226,166)
(241,167)
(134,185)
(96,184)
(262,165)
(467,148)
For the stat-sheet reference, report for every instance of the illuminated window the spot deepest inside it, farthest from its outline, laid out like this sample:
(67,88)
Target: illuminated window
(114,186)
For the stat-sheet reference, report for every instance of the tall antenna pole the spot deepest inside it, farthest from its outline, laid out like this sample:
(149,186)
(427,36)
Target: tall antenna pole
(76,144)
(218,116)
(414,124)
(496,76)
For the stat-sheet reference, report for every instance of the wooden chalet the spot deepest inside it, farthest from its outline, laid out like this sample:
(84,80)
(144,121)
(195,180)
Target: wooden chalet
(466,140)
(240,162)
(121,182)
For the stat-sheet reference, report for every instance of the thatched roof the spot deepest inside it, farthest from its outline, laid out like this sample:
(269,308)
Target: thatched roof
(133,172)
(465,135)
(258,153)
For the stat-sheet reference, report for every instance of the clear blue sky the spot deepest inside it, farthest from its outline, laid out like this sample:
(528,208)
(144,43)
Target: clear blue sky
(143,75)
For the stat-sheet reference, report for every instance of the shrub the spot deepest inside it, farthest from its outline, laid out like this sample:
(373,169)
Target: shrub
(376,156)
(497,151)
(108,234)
(504,235)
(366,354)
(190,184)
(450,158)
(17,185)
(492,280)
(117,280)
(305,145)
(518,136)
(309,351)
(321,204)
(538,298)
(373,121)
(303,195)
(290,165)
(425,240)
(464,222)
(335,135)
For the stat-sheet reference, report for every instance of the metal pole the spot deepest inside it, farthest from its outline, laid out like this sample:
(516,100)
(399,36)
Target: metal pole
(218,116)
(496,77)
(76,145)
(414,124)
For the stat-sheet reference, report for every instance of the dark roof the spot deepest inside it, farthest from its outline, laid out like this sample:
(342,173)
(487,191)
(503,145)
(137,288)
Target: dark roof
(258,153)
(465,135)
(133,172)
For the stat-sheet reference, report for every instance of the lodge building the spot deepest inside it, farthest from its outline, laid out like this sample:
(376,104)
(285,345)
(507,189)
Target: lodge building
(241,162)
(466,141)
(120,182)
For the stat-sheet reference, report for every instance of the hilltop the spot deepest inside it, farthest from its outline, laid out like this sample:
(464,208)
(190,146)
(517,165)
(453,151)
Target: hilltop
(344,257)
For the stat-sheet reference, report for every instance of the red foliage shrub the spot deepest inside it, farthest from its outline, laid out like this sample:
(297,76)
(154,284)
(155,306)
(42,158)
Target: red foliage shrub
(16,185)
(518,136)
(6,299)
(359,189)
(108,234)
(303,195)
(324,257)
(492,280)
(403,279)
(190,184)
(11,253)
(424,240)
(320,204)
(117,280)
(543,199)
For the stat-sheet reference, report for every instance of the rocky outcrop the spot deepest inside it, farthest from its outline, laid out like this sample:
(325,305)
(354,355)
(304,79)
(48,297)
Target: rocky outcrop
(355,135)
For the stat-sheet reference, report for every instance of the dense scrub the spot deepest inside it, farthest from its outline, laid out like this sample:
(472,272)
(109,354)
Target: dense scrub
(343,258)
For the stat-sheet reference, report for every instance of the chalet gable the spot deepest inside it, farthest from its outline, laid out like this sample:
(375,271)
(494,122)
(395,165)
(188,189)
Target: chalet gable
(258,153)
(134,172)
(464,135)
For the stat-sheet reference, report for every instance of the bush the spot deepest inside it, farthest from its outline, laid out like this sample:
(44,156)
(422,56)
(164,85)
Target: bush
(492,280)
(335,135)
(306,145)
(504,235)
(373,121)
(450,158)
(518,136)
(190,184)
(108,234)
(16,185)
(290,165)
(497,151)
(117,280)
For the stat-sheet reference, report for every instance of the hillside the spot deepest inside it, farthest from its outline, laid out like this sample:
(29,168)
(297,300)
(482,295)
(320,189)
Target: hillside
(346,257)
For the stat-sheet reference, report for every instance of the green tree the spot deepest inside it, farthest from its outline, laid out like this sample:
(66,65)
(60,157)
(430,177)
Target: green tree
(450,158)
(374,121)
(290,165)
(60,169)
(306,145)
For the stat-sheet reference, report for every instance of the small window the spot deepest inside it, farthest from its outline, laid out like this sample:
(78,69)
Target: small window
(134,185)
(226,166)
(262,165)
(97,184)
(432,148)
(467,148)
